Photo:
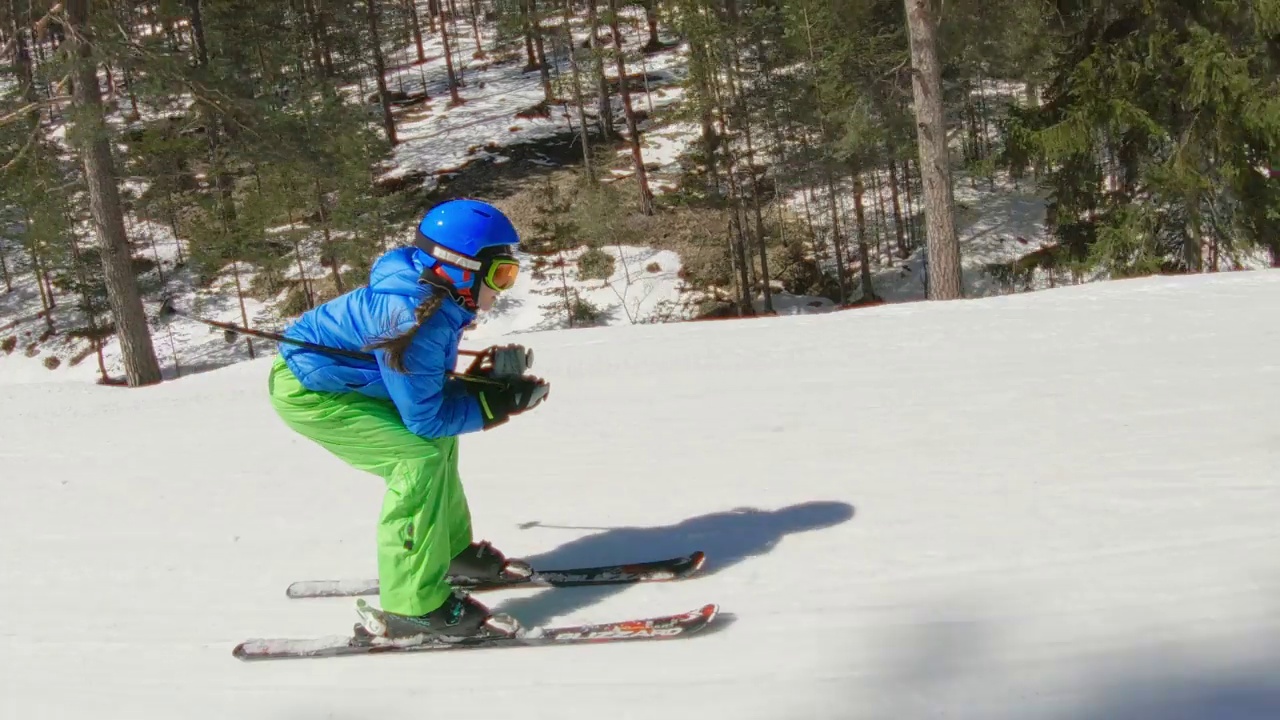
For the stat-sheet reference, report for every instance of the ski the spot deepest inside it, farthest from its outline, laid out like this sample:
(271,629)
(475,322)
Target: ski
(361,642)
(668,569)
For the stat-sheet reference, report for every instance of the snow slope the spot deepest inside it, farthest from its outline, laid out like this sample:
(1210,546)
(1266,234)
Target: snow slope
(645,286)
(1052,505)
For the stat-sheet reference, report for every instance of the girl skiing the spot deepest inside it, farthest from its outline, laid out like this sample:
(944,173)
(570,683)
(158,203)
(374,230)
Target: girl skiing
(397,414)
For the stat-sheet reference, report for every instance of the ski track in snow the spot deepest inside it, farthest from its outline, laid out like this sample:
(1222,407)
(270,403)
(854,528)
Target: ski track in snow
(1059,505)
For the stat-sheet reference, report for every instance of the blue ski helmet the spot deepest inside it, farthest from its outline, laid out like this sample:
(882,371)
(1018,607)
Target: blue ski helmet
(464,237)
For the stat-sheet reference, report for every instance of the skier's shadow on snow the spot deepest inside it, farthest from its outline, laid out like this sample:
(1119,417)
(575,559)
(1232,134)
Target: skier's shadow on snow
(728,538)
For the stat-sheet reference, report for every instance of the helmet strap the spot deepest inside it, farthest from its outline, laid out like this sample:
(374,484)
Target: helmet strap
(437,278)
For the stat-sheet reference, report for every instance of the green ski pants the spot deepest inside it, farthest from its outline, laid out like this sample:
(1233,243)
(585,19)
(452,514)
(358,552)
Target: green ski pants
(425,521)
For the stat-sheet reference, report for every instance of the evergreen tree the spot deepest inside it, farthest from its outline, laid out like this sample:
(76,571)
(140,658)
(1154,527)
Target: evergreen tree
(94,141)
(1156,121)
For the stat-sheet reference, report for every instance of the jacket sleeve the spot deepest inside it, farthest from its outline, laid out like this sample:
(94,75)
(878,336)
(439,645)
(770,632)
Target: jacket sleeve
(428,402)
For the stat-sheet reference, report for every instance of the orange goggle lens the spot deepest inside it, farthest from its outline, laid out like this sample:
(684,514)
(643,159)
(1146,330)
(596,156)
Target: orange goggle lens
(502,274)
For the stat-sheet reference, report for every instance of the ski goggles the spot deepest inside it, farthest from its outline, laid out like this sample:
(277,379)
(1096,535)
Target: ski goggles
(500,272)
(495,266)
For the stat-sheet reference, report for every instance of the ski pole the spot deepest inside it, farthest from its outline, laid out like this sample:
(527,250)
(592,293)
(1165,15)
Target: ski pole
(232,330)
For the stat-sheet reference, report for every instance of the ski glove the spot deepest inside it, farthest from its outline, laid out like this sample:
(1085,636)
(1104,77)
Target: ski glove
(502,362)
(517,395)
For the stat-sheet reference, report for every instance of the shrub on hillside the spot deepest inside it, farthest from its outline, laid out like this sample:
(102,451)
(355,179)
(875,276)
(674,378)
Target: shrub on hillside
(595,264)
(586,313)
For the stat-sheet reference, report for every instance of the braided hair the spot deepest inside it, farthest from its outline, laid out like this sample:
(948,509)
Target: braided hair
(398,345)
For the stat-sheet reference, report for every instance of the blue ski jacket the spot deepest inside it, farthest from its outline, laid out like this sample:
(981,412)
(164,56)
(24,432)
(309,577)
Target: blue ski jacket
(431,404)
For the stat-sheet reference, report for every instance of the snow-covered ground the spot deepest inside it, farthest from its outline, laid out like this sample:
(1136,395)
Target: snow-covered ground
(438,138)
(994,225)
(644,287)
(1058,505)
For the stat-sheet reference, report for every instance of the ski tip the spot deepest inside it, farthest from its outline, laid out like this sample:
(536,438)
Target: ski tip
(708,611)
(697,560)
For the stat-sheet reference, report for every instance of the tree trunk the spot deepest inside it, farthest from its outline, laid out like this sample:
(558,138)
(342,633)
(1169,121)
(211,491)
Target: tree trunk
(646,197)
(973,146)
(913,238)
(475,30)
(737,232)
(454,98)
(302,270)
(764,250)
(984,112)
(380,75)
(651,17)
(4,270)
(412,7)
(699,68)
(765,65)
(564,284)
(837,243)
(111,82)
(738,240)
(577,94)
(881,217)
(864,256)
(1194,245)
(528,36)
(313,32)
(91,312)
(935,170)
(22,60)
(172,214)
(327,248)
(244,312)
(898,225)
(133,96)
(759,217)
(318,42)
(544,70)
(604,108)
(221,179)
(37,271)
(141,366)
(808,211)
(326,45)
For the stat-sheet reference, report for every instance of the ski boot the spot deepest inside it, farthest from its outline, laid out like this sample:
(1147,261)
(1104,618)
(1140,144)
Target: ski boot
(459,618)
(482,563)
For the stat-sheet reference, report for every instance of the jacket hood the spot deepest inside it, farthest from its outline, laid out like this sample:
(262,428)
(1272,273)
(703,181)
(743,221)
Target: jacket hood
(397,273)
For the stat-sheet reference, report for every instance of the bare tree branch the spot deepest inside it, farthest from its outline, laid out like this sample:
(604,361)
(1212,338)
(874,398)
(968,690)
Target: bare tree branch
(30,107)
(31,141)
(38,30)
(43,23)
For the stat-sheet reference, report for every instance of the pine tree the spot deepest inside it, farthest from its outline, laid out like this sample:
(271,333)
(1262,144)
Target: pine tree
(141,365)
(935,158)
(380,71)
(1154,124)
